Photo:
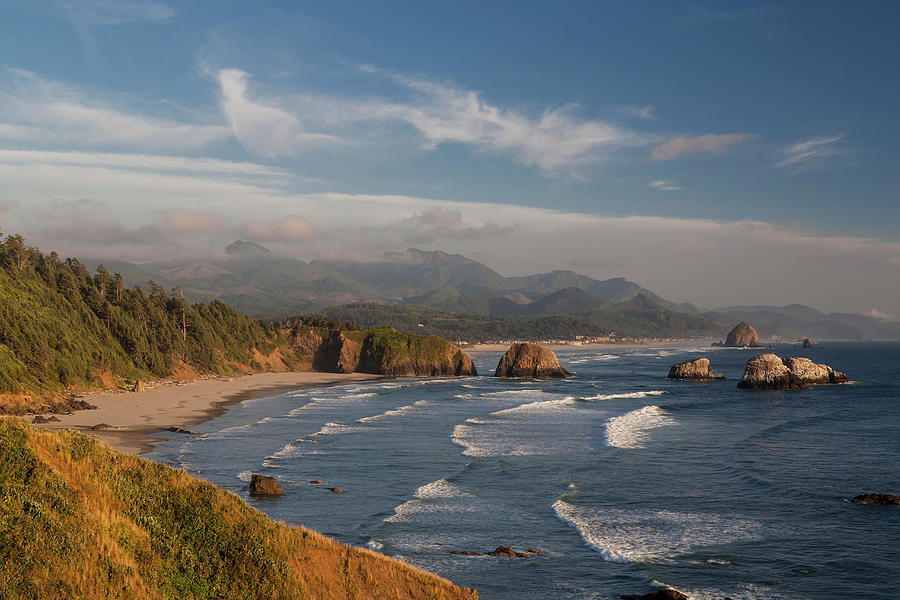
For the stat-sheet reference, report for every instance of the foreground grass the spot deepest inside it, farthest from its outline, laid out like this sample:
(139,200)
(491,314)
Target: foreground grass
(81,521)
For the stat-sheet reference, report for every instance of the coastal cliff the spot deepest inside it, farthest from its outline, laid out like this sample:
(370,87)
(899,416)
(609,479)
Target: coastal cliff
(380,351)
(83,521)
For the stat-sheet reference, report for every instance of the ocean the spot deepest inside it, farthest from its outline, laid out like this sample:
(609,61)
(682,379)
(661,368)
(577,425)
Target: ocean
(623,479)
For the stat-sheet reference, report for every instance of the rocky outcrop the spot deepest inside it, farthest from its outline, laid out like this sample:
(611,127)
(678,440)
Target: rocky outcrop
(742,336)
(770,372)
(530,361)
(262,485)
(694,370)
(877,499)
(42,419)
(807,343)
(382,351)
(180,429)
(657,595)
(501,551)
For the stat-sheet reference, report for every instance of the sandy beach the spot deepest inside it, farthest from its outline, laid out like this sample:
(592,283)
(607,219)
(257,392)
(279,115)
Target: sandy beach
(137,418)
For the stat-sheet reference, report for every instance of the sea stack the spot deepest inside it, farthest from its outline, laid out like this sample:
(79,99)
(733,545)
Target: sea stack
(770,372)
(742,336)
(807,343)
(694,370)
(530,361)
(262,485)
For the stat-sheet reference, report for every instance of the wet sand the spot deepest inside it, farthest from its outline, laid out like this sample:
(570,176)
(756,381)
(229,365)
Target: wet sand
(137,418)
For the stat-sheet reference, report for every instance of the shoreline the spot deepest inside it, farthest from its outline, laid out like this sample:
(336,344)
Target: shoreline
(587,346)
(139,418)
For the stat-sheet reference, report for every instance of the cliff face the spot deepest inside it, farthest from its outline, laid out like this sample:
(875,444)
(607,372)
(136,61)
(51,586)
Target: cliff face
(83,521)
(694,370)
(769,371)
(530,361)
(742,336)
(381,351)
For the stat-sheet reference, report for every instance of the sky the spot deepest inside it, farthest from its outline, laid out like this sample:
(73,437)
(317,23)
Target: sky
(715,152)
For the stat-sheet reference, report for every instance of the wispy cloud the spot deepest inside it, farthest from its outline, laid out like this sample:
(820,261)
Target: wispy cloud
(664,186)
(40,111)
(190,222)
(263,127)
(98,13)
(556,140)
(703,144)
(645,113)
(877,314)
(438,223)
(812,152)
(286,229)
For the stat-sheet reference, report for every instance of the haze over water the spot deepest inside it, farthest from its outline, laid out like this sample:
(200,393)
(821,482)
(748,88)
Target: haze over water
(623,478)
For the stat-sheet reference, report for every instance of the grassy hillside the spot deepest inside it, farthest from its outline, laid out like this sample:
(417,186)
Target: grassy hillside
(79,520)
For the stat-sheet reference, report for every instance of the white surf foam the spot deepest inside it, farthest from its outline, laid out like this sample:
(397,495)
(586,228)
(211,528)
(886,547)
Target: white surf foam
(626,395)
(396,412)
(631,430)
(245,476)
(334,429)
(440,490)
(642,535)
(541,406)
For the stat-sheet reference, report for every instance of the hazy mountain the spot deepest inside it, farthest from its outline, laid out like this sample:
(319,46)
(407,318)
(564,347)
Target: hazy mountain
(259,282)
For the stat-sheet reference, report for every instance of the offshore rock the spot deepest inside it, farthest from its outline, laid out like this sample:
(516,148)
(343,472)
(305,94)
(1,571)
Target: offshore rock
(807,343)
(530,361)
(382,351)
(742,336)
(262,485)
(657,595)
(694,370)
(770,372)
(877,499)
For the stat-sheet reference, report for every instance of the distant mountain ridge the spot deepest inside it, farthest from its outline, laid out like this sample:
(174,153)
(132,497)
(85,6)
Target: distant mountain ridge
(253,279)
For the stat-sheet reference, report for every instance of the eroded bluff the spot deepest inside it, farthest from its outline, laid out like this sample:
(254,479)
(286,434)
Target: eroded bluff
(381,351)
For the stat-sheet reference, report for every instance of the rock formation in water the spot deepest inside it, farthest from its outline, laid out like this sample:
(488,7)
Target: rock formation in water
(770,372)
(694,370)
(381,351)
(657,595)
(530,361)
(877,499)
(807,343)
(262,485)
(742,336)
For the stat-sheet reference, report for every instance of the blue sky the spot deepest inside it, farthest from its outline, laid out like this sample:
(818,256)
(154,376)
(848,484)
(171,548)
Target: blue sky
(674,143)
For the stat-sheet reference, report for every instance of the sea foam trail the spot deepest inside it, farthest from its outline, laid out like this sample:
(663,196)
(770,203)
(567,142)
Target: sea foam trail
(440,490)
(642,535)
(626,395)
(396,412)
(632,429)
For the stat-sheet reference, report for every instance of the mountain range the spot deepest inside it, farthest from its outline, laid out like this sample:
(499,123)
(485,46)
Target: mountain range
(264,284)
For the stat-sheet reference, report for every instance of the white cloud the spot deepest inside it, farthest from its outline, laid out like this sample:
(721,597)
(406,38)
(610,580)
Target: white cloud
(98,13)
(437,223)
(877,314)
(148,162)
(663,185)
(556,140)
(190,222)
(40,111)
(261,127)
(814,151)
(703,144)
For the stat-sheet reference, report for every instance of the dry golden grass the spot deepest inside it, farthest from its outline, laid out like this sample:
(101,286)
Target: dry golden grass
(79,520)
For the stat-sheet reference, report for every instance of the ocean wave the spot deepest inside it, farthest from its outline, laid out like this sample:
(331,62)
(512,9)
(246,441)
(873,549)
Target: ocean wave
(225,433)
(334,429)
(440,490)
(541,406)
(632,429)
(245,476)
(626,395)
(400,410)
(644,535)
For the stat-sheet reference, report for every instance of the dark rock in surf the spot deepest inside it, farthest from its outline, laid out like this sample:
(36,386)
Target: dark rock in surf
(336,490)
(262,485)
(41,419)
(694,370)
(877,499)
(657,595)
(807,343)
(103,427)
(179,429)
(530,361)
